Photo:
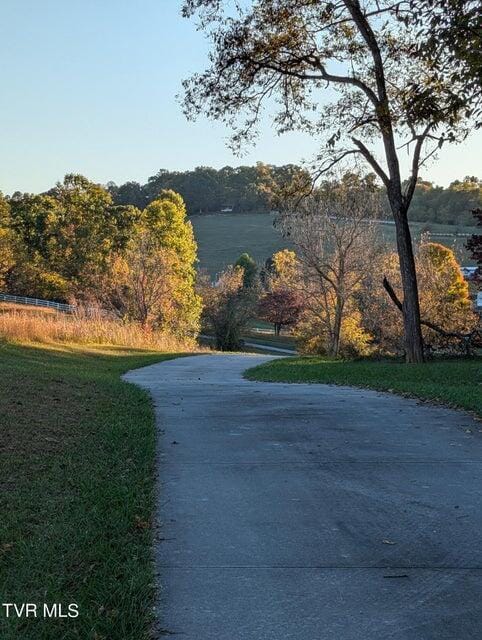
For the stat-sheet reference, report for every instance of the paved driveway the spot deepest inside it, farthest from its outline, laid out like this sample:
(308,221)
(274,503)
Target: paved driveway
(312,512)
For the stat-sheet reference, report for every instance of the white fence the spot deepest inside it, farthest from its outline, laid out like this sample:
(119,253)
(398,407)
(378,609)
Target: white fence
(36,302)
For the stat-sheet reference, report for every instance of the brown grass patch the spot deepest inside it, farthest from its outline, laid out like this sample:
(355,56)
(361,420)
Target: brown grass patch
(9,307)
(31,324)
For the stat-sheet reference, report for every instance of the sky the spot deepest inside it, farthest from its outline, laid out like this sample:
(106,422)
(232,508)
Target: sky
(90,87)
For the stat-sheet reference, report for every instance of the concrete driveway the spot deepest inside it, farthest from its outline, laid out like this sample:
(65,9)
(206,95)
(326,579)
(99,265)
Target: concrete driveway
(312,512)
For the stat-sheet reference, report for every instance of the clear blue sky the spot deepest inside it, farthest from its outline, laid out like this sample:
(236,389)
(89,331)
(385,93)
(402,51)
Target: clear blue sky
(90,86)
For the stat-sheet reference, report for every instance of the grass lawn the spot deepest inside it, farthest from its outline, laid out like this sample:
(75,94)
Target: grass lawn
(453,382)
(223,237)
(77,455)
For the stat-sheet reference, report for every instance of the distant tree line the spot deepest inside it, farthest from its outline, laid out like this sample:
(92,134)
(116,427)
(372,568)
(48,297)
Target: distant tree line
(244,190)
(448,206)
(207,190)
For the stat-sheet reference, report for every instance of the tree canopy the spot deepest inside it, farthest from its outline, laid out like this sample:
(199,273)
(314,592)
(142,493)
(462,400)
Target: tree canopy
(288,52)
(255,189)
(207,190)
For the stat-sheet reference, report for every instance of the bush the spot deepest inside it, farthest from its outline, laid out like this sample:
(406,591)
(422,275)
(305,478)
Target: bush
(355,341)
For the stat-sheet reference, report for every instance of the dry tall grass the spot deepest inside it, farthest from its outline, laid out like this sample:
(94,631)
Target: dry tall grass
(21,325)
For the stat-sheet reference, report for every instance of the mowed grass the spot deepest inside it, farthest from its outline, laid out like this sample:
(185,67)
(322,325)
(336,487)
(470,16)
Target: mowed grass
(454,382)
(223,237)
(77,457)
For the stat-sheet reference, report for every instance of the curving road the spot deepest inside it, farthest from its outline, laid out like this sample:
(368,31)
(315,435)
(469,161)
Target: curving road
(312,512)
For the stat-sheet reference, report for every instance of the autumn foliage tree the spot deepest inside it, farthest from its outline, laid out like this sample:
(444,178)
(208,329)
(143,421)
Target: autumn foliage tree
(287,52)
(444,300)
(281,307)
(228,306)
(446,309)
(6,242)
(281,304)
(333,233)
(64,238)
(152,280)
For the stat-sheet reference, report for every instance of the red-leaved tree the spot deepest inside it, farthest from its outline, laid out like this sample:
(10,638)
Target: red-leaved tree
(281,307)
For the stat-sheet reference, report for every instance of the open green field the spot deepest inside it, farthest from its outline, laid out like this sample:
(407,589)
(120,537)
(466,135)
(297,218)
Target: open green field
(77,454)
(223,237)
(456,382)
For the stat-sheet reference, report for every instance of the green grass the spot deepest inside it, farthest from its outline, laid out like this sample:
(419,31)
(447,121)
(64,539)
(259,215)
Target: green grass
(223,237)
(77,455)
(455,382)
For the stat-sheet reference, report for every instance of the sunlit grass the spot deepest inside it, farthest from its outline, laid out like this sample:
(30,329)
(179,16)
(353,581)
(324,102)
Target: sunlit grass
(36,325)
(77,458)
(455,382)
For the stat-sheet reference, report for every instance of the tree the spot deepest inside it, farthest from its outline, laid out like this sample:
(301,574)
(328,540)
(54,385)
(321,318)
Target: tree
(6,241)
(66,237)
(446,310)
(250,270)
(227,307)
(281,307)
(334,236)
(449,35)
(166,217)
(445,299)
(165,220)
(277,184)
(152,279)
(284,269)
(287,49)
(282,303)
(474,243)
(143,285)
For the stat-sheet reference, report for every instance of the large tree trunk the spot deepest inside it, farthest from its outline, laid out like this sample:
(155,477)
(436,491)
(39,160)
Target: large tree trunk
(411,308)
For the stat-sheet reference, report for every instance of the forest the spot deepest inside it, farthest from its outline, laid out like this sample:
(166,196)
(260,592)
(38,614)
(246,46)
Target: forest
(243,190)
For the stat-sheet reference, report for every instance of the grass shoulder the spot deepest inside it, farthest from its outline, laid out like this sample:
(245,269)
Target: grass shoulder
(455,382)
(77,456)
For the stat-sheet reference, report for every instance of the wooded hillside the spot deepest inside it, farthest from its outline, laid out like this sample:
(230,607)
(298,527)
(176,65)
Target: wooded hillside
(242,190)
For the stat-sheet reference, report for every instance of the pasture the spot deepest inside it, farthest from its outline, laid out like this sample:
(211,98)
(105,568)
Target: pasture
(223,237)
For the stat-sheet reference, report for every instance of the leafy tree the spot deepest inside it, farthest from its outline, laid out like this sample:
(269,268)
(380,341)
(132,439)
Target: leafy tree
(282,303)
(144,285)
(334,237)
(166,219)
(228,306)
(277,184)
(6,241)
(284,269)
(474,244)
(363,51)
(151,280)
(281,307)
(66,237)
(445,299)
(250,270)
(449,36)
(447,316)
